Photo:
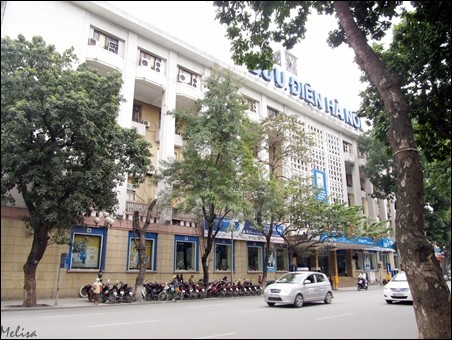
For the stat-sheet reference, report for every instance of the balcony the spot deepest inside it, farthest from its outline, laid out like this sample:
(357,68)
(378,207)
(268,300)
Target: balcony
(132,206)
(178,140)
(349,157)
(141,128)
(184,217)
(103,60)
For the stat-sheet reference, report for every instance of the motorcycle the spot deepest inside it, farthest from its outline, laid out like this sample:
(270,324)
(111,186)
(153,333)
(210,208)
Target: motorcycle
(362,284)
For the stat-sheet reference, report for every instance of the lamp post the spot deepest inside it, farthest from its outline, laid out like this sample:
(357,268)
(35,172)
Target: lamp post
(232,254)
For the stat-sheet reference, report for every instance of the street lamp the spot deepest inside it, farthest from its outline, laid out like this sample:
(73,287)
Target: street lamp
(108,221)
(231,229)
(232,255)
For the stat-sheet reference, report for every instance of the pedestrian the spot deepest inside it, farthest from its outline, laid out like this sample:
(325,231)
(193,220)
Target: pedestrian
(97,289)
(191,280)
(173,285)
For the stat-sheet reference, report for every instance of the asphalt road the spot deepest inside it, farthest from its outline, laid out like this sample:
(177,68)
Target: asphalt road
(352,315)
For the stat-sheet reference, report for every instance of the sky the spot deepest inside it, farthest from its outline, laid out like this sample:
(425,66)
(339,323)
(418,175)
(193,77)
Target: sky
(331,72)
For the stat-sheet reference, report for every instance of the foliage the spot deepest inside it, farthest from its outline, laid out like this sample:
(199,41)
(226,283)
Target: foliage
(207,177)
(358,23)
(252,26)
(421,53)
(62,149)
(379,167)
(61,146)
(310,220)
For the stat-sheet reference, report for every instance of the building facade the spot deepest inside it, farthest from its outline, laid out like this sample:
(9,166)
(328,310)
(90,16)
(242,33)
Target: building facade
(162,73)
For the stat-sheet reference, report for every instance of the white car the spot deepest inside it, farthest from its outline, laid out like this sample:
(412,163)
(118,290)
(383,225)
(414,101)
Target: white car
(397,289)
(296,288)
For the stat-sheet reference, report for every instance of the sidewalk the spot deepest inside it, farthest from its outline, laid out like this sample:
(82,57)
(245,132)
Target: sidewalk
(16,305)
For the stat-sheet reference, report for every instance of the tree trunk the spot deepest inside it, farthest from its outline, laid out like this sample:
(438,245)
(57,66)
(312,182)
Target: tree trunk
(38,247)
(141,248)
(431,296)
(205,260)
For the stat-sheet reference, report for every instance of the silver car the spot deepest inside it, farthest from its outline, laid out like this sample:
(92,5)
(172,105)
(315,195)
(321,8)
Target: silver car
(299,287)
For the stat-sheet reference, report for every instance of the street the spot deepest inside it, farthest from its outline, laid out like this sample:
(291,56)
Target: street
(352,315)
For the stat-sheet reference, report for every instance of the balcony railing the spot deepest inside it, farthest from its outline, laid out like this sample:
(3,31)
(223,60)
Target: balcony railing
(132,206)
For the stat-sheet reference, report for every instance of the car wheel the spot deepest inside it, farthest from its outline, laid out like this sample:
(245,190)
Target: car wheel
(389,301)
(298,303)
(271,304)
(328,298)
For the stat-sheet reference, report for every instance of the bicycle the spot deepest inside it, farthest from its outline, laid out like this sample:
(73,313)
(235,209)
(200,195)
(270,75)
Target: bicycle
(171,293)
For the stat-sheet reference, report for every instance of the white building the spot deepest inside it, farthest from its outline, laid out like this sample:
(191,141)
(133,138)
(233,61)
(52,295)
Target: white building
(162,73)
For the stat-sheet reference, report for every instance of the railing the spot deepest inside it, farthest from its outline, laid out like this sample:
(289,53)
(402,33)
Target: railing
(132,206)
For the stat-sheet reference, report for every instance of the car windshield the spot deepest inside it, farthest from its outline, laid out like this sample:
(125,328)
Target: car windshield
(399,277)
(290,278)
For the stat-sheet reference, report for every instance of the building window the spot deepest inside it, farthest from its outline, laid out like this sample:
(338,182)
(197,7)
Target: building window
(133,259)
(150,61)
(86,250)
(187,77)
(255,257)
(105,41)
(223,255)
(358,257)
(252,105)
(347,147)
(272,112)
(373,261)
(136,114)
(131,192)
(282,258)
(186,255)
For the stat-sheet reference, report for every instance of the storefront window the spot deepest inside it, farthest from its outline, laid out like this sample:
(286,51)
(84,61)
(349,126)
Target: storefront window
(223,255)
(255,257)
(133,260)
(86,248)
(186,253)
(282,259)
(373,261)
(359,261)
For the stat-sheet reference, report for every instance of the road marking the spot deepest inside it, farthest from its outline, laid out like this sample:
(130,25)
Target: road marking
(215,336)
(255,310)
(69,315)
(122,323)
(336,316)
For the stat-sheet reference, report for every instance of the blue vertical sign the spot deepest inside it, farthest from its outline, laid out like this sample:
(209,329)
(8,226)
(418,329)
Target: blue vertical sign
(320,185)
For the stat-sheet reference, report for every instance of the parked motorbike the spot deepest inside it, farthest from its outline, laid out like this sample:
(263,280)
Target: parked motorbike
(362,284)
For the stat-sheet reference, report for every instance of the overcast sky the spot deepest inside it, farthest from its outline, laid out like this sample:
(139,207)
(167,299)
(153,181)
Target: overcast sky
(331,72)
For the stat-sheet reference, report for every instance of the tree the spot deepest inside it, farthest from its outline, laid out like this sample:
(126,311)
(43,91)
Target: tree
(62,148)
(314,221)
(275,138)
(206,181)
(249,30)
(420,52)
(140,245)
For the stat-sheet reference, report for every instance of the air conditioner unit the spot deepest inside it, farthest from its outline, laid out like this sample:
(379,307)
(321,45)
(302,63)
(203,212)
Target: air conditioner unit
(112,47)
(184,77)
(146,123)
(145,62)
(194,81)
(157,65)
(92,41)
